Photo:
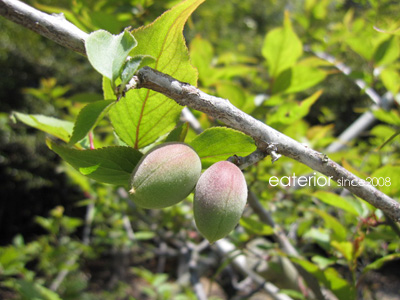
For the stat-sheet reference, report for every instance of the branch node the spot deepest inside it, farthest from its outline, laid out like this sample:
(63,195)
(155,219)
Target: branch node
(237,160)
(251,159)
(272,150)
(176,87)
(59,16)
(132,84)
(324,158)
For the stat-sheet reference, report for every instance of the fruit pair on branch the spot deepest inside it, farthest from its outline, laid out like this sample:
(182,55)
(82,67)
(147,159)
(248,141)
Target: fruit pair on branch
(167,174)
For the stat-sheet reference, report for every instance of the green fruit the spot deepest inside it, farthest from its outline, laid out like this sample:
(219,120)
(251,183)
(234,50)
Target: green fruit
(219,200)
(165,176)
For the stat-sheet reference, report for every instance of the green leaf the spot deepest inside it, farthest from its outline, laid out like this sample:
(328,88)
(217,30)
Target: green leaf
(345,248)
(387,180)
(219,143)
(282,48)
(85,97)
(390,117)
(233,92)
(30,290)
(330,278)
(320,236)
(387,52)
(107,53)
(256,227)
(322,261)
(87,119)
(134,64)
(336,201)
(201,55)
(178,134)
(104,20)
(380,262)
(362,39)
(290,112)
(293,294)
(389,139)
(144,115)
(339,231)
(112,165)
(297,78)
(144,235)
(391,79)
(339,286)
(46,224)
(58,128)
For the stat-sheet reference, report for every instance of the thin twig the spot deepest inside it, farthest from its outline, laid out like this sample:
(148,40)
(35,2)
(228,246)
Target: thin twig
(191,119)
(194,276)
(249,160)
(226,248)
(86,239)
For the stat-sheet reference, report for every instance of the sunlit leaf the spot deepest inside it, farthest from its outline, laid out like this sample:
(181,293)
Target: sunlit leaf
(330,278)
(336,201)
(56,127)
(282,48)
(143,115)
(232,92)
(386,179)
(219,143)
(390,117)
(345,248)
(389,140)
(391,79)
(256,227)
(107,53)
(201,55)
(297,78)
(133,65)
(339,231)
(387,52)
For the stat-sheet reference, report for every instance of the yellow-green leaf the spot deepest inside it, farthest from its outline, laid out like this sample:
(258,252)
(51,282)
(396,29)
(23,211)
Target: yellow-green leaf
(335,200)
(144,115)
(282,48)
(56,127)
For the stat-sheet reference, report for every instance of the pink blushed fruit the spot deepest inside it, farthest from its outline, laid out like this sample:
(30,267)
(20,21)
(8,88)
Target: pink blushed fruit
(219,200)
(165,176)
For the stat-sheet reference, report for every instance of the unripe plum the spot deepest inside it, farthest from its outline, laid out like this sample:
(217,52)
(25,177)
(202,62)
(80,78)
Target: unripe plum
(219,200)
(165,176)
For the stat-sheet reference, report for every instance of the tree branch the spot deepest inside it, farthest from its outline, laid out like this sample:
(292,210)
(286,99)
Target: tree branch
(265,136)
(61,31)
(55,27)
